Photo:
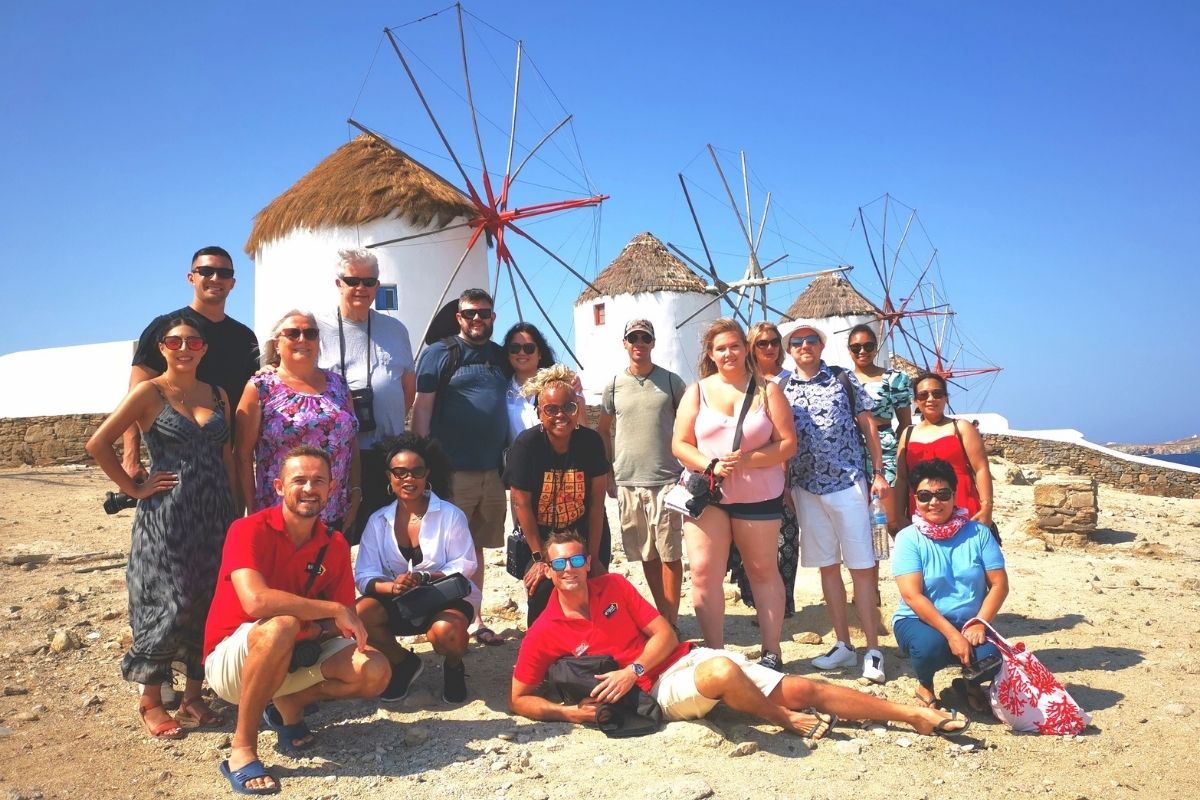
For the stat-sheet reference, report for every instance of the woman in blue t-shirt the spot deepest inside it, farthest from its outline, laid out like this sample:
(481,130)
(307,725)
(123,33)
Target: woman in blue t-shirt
(949,570)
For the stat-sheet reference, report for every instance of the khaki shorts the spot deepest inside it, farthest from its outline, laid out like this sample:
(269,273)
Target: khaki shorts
(649,530)
(480,495)
(223,667)
(675,690)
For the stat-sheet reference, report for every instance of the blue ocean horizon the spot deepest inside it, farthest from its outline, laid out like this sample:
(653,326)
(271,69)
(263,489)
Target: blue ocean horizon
(1190,459)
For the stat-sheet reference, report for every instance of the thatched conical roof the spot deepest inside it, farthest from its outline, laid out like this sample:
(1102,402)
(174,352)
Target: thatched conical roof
(904,365)
(645,265)
(362,180)
(830,295)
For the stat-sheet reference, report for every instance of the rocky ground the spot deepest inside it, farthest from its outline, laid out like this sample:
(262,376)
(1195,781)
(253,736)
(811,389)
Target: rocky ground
(1117,621)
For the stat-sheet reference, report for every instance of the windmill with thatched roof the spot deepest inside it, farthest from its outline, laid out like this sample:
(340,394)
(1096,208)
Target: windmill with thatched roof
(363,193)
(645,281)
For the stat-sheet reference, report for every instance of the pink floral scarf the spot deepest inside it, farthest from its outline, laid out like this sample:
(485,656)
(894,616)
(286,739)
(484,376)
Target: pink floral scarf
(946,529)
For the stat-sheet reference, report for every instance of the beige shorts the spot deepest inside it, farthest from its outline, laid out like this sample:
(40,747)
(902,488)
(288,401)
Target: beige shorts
(649,530)
(223,667)
(675,690)
(480,495)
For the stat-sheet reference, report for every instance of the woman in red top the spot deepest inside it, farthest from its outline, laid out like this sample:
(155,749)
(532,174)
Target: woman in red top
(939,436)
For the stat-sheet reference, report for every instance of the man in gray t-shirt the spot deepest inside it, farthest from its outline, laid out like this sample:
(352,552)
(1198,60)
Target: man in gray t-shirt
(641,401)
(373,353)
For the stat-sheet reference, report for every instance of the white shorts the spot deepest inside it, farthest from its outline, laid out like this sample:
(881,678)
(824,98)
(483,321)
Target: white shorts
(676,692)
(223,667)
(835,528)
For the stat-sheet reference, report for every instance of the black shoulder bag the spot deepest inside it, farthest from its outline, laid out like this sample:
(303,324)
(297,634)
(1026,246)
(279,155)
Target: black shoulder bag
(364,398)
(572,678)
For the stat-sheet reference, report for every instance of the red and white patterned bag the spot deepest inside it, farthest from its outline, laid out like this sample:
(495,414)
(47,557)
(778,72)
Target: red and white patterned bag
(1026,696)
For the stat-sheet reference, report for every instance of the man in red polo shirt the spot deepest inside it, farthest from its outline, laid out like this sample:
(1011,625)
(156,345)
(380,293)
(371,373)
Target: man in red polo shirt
(607,616)
(285,578)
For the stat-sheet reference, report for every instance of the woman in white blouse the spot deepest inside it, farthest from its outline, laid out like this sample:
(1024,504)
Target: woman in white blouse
(417,539)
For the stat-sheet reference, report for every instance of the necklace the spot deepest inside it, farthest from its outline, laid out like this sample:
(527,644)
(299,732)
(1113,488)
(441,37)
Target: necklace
(178,394)
(641,379)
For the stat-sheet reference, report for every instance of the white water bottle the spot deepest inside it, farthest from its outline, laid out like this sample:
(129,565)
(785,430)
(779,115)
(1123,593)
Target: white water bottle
(879,529)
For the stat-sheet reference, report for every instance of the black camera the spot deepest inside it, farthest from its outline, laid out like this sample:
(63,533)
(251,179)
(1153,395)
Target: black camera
(364,408)
(117,501)
(305,654)
(704,490)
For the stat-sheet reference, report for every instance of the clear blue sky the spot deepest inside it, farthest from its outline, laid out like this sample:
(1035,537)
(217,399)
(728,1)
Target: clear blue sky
(1050,148)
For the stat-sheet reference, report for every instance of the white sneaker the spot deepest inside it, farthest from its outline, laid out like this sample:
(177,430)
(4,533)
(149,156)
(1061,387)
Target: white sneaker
(873,667)
(840,655)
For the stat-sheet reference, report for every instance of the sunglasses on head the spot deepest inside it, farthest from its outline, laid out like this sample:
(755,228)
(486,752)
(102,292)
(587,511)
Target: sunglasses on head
(936,394)
(553,410)
(177,342)
(763,344)
(353,282)
(295,334)
(224,273)
(400,473)
(943,494)
(472,313)
(576,561)
(639,337)
(865,347)
(800,341)
(528,348)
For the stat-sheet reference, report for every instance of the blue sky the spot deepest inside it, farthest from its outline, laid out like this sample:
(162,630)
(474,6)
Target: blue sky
(1050,150)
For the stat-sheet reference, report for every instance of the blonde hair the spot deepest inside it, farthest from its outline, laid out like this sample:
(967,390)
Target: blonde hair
(758,331)
(270,350)
(716,328)
(549,377)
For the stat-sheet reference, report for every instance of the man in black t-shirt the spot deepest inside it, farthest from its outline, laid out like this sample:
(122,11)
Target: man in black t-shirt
(232,347)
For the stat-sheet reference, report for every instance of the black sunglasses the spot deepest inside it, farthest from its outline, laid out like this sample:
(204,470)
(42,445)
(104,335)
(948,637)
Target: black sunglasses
(400,473)
(353,282)
(576,561)
(528,348)
(763,344)
(943,494)
(936,394)
(224,273)
(472,313)
(639,338)
(865,347)
(294,334)
(799,341)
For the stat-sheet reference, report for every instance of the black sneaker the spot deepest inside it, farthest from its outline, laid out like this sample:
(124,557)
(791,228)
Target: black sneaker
(454,683)
(403,675)
(771,661)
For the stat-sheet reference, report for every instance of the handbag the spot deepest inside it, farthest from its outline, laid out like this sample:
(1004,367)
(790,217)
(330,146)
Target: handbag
(419,604)
(696,491)
(572,679)
(1026,696)
(517,554)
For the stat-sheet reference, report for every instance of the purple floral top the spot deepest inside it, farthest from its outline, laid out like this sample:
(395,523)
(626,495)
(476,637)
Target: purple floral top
(291,418)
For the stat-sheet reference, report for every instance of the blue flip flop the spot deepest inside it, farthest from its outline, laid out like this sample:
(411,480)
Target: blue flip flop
(239,779)
(288,733)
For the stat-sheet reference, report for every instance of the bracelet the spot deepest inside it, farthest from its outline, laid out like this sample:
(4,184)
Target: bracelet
(354,489)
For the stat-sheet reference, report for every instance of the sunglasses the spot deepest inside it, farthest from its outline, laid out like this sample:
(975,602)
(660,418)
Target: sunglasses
(472,313)
(576,561)
(528,348)
(639,338)
(936,394)
(800,341)
(400,473)
(763,344)
(943,494)
(865,347)
(295,334)
(193,343)
(224,273)
(353,283)
(554,410)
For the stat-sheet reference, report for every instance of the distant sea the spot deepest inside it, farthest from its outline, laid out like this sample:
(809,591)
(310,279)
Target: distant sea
(1191,459)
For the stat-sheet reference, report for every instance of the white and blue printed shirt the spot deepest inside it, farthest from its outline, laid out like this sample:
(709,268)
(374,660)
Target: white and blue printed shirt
(829,452)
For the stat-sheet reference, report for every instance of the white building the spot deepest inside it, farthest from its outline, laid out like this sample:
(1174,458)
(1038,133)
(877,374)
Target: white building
(644,282)
(833,306)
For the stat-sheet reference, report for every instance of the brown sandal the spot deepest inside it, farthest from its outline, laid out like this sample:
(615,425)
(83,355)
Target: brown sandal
(167,729)
(930,702)
(195,713)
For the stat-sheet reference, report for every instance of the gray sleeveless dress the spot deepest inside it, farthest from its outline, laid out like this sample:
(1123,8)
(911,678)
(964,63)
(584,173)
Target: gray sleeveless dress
(176,548)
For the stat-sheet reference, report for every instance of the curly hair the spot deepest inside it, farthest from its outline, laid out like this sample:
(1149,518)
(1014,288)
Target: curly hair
(429,451)
(547,377)
(270,351)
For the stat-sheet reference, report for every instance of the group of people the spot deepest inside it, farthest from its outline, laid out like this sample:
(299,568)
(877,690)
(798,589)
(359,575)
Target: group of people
(264,471)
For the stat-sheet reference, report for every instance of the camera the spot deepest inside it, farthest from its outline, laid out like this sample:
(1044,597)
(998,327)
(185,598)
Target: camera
(364,408)
(117,501)
(704,490)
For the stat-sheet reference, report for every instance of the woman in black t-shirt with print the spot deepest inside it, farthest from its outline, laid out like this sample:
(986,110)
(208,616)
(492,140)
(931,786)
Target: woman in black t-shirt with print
(558,475)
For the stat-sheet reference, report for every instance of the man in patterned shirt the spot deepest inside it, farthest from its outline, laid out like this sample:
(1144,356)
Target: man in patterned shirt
(832,412)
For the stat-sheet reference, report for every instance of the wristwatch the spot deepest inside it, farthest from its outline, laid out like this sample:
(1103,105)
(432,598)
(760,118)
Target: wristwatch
(638,669)
(538,557)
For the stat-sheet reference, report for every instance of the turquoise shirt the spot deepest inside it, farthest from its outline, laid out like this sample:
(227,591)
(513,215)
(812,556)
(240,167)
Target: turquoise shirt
(953,570)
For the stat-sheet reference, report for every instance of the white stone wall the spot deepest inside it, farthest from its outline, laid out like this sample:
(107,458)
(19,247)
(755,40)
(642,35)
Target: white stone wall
(55,381)
(297,271)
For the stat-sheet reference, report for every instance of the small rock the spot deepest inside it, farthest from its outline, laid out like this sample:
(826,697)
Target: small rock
(5,732)
(599,761)
(53,604)
(744,749)
(11,690)
(89,700)
(1156,644)
(415,737)
(110,615)
(63,641)
(126,638)
(499,765)
(849,747)
(732,594)
(28,566)
(879,730)
(25,716)
(807,637)
(1096,589)
(507,736)
(904,741)
(1178,710)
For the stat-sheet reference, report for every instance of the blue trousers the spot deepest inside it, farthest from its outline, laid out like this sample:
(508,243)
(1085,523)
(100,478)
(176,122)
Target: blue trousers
(929,650)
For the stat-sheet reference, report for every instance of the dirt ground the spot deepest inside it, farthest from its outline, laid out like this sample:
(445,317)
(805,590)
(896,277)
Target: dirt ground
(1117,621)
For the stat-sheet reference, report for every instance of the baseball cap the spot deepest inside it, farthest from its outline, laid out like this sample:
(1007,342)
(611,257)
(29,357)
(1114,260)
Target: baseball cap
(643,325)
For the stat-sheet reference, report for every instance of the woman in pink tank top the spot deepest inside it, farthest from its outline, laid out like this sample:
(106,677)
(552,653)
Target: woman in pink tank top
(751,483)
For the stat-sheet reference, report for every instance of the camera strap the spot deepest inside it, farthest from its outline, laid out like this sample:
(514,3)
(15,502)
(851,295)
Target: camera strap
(314,569)
(342,347)
(737,431)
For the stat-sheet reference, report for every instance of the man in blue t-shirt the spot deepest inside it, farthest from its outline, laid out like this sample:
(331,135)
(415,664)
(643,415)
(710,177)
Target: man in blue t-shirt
(461,402)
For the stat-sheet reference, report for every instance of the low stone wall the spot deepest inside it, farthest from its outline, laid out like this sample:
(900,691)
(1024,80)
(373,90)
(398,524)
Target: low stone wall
(1066,506)
(1121,473)
(43,441)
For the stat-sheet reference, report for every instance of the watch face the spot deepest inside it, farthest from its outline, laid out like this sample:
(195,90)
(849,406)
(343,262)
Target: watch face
(638,669)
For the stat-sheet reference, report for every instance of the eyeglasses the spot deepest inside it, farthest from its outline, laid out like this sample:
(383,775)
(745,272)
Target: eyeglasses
(936,394)
(553,410)
(353,282)
(638,337)
(224,273)
(943,494)
(193,343)
(294,334)
(800,341)
(763,344)
(528,348)
(865,347)
(576,561)
(472,313)
(400,473)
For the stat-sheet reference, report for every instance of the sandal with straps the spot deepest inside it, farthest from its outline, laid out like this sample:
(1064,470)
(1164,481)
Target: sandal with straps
(195,713)
(167,729)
